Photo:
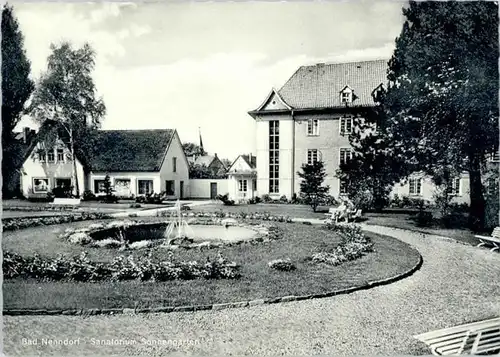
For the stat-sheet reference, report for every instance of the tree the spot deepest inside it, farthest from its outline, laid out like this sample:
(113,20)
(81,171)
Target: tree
(371,173)
(191,149)
(311,189)
(204,172)
(442,100)
(16,90)
(66,94)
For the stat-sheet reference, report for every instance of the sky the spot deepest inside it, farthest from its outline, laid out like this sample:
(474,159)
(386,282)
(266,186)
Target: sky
(204,65)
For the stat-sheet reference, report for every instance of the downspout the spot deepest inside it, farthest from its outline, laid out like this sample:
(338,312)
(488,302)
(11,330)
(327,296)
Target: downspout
(293,155)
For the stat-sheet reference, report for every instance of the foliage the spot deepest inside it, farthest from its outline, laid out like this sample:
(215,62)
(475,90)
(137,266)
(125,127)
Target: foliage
(372,171)
(14,223)
(254,200)
(282,265)
(225,199)
(80,268)
(424,219)
(89,196)
(191,149)
(17,87)
(311,188)
(442,102)
(204,172)
(354,244)
(108,190)
(66,96)
(151,198)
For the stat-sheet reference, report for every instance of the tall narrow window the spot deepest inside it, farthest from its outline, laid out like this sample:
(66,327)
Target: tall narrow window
(274,156)
(174,164)
(415,186)
(50,156)
(454,187)
(42,156)
(60,155)
(346,125)
(345,155)
(312,156)
(312,127)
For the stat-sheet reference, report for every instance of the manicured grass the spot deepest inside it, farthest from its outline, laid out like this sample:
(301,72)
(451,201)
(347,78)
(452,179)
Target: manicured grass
(301,211)
(390,257)
(403,221)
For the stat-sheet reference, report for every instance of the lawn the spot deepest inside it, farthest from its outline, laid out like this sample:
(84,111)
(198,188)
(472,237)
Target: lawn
(294,211)
(404,221)
(389,258)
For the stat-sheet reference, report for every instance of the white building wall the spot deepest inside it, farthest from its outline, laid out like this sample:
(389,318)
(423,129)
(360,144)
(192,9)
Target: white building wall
(33,168)
(134,177)
(182,169)
(200,188)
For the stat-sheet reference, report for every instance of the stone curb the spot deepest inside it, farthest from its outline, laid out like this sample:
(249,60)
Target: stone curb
(219,306)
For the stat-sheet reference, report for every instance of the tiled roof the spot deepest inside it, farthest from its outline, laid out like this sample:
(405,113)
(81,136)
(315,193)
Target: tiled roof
(130,150)
(319,86)
(204,160)
(250,160)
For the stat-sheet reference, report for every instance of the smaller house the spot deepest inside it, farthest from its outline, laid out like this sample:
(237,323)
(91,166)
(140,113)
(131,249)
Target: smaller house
(242,178)
(138,162)
(212,162)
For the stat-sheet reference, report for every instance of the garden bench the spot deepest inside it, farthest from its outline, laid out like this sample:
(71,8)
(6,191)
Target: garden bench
(494,240)
(68,202)
(481,337)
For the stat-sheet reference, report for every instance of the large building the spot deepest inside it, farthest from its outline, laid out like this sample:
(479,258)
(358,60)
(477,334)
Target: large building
(310,118)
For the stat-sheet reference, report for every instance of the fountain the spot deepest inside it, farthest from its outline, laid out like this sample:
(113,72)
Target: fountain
(183,228)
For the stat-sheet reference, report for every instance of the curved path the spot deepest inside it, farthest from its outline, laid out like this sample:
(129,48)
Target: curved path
(456,284)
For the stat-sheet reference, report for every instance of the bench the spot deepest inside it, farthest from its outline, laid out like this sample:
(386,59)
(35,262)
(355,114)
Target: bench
(71,202)
(494,240)
(481,337)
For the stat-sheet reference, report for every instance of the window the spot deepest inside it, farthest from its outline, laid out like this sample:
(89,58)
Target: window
(99,186)
(42,156)
(40,185)
(312,127)
(242,185)
(63,182)
(122,187)
(50,156)
(494,156)
(454,187)
(415,186)
(174,164)
(345,155)
(60,155)
(170,187)
(492,186)
(274,168)
(312,156)
(346,125)
(342,188)
(145,187)
(254,185)
(346,97)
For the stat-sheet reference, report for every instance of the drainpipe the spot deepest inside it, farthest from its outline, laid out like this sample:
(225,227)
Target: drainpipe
(293,155)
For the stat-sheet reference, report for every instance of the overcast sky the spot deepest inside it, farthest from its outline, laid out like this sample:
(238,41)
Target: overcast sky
(190,65)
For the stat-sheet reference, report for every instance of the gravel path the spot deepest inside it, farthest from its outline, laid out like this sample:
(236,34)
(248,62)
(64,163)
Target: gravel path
(456,284)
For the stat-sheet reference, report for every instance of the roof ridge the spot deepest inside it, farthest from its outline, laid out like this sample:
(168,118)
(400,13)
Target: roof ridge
(345,62)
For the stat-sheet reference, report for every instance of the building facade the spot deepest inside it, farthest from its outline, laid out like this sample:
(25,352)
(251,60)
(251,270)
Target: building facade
(311,117)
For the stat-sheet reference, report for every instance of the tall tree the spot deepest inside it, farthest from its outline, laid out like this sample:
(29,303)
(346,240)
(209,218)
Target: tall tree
(191,149)
(66,94)
(442,102)
(16,90)
(311,185)
(371,173)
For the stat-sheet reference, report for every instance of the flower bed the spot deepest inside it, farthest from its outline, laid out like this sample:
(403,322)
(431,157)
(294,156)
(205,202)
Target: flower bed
(40,208)
(282,265)
(10,224)
(353,245)
(220,214)
(83,270)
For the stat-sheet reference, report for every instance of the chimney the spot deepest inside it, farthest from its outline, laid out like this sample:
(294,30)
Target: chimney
(215,154)
(26,133)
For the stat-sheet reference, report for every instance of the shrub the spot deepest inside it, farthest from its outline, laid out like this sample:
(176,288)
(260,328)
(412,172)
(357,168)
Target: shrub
(225,199)
(266,198)
(89,196)
(283,199)
(423,219)
(395,201)
(80,238)
(281,265)
(135,205)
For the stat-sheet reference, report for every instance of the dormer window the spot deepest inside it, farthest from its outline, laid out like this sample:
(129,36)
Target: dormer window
(346,95)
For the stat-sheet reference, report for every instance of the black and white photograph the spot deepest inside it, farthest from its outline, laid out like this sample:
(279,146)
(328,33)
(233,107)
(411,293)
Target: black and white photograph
(250,178)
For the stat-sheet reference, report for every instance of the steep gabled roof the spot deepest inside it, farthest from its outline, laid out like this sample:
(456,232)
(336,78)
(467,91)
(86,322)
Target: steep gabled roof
(319,86)
(130,150)
(204,160)
(250,160)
